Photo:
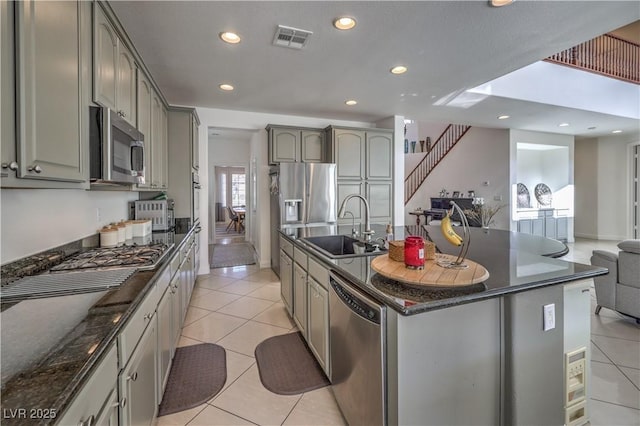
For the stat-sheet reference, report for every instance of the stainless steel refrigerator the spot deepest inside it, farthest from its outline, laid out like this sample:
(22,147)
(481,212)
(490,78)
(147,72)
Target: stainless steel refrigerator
(302,194)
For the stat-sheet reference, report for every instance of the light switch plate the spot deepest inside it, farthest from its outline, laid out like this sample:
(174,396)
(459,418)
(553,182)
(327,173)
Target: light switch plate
(549,316)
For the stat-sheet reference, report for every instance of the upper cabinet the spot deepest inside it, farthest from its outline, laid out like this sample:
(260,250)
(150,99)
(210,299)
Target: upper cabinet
(291,145)
(364,159)
(49,141)
(114,69)
(145,92)
(195,143)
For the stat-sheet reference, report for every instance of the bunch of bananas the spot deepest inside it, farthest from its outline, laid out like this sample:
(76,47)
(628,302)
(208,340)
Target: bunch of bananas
(448,232)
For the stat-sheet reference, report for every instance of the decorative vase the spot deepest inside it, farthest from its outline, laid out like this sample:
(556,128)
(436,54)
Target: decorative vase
(413,146)
(421,146)
(428,144)
(406,146)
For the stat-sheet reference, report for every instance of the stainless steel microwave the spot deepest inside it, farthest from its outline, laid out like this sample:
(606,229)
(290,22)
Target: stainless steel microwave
(116,149)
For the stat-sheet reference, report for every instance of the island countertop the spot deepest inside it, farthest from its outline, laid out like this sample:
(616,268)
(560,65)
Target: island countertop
(515,261)
(51,345)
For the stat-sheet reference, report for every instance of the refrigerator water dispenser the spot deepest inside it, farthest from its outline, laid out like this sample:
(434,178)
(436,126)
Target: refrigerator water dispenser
(292,209)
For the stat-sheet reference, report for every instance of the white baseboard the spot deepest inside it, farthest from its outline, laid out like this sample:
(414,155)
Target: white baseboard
(601,237)
(265,264)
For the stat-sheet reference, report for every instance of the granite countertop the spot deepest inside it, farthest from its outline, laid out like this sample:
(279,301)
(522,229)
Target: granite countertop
(516,262)
(45,366)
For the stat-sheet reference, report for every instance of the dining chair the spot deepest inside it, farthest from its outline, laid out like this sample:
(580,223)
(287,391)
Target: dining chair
(233,219)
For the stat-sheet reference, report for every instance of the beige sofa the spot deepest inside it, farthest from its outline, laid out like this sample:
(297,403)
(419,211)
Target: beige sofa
(620,288)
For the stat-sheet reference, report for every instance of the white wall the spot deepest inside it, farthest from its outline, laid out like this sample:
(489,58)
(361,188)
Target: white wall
(397,124)
(482,155)
(550,167)
(614,188)
(34,220)
(564,196)
(586,194)
(212,117)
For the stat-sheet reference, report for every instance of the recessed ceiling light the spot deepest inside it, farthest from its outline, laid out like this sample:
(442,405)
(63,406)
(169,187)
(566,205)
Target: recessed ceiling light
(503,117)
(617,131)
(351,102)
(230,37)
(226,87)
(563,125)
(344,23)
(591,128)
(399,69)
(500,3)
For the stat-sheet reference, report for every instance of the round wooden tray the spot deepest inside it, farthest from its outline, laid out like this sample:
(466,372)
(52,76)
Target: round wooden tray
(432,274)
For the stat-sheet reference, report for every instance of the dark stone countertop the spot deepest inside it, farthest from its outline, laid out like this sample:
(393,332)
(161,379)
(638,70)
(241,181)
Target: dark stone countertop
(53,344)
(516,262)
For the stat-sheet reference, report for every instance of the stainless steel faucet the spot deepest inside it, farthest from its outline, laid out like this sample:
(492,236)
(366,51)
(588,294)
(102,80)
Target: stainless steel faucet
(367,227)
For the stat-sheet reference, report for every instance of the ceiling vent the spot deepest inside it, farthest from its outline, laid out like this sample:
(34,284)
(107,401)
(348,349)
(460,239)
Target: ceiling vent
(293,38)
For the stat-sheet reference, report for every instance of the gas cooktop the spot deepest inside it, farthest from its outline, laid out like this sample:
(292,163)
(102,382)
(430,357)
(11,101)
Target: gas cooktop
(134,256)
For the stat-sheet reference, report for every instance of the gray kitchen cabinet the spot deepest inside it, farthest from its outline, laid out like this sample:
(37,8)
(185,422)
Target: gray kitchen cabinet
(295,144)
(114,69)
(318,326)
(300,297)
(145,93)
(166,340)
(364,159)
(348,148)
(109,414)
(180,178)
(7,92)
(286,281)
(158,152)
(347,187)
(195,143)
(137,381)
(95,399)
(379,155)
(562,228)
(164,181)
(549,223)
(176,323)
(312,146)
(379,195)
(51,101)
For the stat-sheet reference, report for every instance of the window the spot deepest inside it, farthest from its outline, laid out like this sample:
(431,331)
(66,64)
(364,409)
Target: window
(238,190)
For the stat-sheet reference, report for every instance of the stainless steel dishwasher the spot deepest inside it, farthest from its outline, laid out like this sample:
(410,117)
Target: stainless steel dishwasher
(358,352)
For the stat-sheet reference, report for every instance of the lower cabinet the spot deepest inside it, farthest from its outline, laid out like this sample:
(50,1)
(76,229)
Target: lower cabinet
(286,281)
(549,223)
(137,382)
(318,327)
(300,298)
(166,339)
(98,398)
(176,310)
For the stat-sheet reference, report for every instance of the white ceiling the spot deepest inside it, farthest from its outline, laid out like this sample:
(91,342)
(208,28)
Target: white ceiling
(448,46)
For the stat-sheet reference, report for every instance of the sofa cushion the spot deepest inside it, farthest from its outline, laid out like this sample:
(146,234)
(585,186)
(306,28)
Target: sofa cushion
(629,269)
(631,246)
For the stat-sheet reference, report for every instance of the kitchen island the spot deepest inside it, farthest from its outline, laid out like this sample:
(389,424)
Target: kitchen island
(479,355)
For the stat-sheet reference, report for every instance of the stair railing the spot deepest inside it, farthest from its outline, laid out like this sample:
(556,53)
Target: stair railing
(607,54)
(447,140)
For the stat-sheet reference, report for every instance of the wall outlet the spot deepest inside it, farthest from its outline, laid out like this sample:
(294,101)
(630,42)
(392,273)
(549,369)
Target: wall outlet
(497,198)
(549,316)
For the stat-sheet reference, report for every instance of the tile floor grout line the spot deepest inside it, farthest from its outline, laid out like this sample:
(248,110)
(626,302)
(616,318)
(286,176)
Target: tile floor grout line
(233,414)
(614,403)
(292,408)
(191,419)
(615,337)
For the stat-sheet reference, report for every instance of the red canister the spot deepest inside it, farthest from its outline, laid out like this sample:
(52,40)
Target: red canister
(414,252)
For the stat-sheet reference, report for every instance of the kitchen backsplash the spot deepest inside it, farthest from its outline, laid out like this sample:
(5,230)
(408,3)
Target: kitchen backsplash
(36,220)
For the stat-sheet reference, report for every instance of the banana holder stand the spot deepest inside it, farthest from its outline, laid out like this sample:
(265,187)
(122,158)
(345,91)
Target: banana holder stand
(466,239)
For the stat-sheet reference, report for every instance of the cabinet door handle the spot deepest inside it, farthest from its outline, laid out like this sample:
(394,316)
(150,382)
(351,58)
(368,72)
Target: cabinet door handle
(11,166)
(36,168)
(122,403)
(89,422)
(133,377)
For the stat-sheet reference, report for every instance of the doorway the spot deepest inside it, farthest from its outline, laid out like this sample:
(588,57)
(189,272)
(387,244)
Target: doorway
(231,202)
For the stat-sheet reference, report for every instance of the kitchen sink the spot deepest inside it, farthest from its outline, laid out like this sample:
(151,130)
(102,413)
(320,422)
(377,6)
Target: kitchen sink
(339,246)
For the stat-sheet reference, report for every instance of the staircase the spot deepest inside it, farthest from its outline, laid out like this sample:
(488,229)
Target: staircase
(447,140)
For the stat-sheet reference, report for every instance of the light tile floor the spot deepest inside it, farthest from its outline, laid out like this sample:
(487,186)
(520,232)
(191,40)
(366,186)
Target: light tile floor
(239,307)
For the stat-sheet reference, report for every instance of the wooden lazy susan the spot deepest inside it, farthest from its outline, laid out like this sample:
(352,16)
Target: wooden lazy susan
(433,274)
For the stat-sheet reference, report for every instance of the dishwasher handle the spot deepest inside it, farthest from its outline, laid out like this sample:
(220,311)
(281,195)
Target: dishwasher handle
(356,303)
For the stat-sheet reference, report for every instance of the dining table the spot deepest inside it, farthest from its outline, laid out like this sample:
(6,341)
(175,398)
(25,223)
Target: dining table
(241,212)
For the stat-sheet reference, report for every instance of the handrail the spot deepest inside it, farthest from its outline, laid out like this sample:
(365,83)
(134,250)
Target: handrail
(607,55)
(447,140)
